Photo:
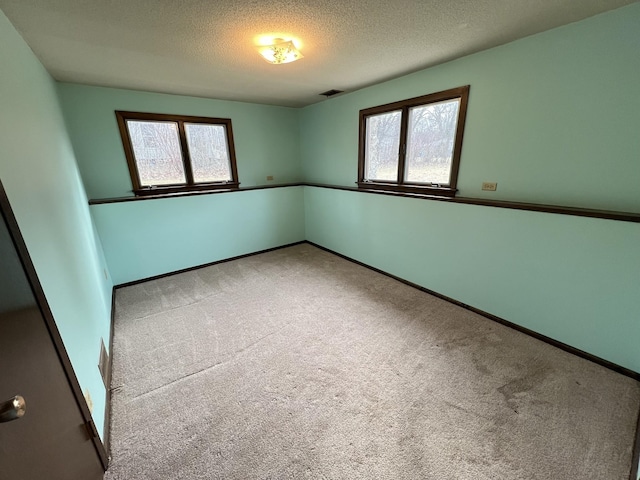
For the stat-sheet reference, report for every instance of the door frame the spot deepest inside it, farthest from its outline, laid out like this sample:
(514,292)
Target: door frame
(25,259)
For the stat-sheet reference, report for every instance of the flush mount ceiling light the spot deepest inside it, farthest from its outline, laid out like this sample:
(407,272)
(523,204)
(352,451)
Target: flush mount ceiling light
(281,51)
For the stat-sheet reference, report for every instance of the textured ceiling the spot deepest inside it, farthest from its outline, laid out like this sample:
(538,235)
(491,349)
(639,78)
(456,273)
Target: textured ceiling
(207,47)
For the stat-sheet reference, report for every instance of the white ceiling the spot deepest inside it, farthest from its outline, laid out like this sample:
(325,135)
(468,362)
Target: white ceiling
(207,47)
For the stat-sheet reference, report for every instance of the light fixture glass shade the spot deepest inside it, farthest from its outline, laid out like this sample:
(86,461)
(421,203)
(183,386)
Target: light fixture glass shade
(280,52)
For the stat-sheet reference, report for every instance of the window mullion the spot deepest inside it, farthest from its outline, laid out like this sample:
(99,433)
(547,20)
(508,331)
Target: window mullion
(402,148)
(186,158)
(430,163)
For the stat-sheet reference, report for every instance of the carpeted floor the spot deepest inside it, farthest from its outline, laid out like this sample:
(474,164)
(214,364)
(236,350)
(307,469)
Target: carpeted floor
(299,364)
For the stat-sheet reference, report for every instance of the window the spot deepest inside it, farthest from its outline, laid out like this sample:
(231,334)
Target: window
(171,153)
(413,145)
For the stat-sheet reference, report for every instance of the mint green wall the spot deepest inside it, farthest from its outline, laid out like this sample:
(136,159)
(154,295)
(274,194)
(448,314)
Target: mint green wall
(152,237)
(553,118)
(574,279)
(266,137)
(38,170)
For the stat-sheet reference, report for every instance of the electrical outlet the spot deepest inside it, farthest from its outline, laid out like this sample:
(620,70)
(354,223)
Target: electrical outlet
(269,177)
(489,186)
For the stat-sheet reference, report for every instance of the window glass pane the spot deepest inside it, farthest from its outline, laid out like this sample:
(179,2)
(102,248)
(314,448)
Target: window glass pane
(382,144)
(156,148)
(430,138)
(209,152)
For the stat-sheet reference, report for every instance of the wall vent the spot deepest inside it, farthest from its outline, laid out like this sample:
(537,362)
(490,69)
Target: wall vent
(103,364)
(331,93)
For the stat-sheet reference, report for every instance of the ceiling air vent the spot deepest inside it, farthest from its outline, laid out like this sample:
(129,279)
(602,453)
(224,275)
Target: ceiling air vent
(331,93)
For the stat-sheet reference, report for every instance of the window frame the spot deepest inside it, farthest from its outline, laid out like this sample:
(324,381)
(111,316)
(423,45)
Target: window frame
(189,185)
(401,185)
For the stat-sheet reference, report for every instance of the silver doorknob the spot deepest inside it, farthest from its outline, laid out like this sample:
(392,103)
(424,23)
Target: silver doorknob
(12,409)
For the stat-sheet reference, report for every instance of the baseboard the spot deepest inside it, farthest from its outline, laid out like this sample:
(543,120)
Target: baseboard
(107,408)
(197,267)
(636,453)
(556,343)
(563,346)
(107,412)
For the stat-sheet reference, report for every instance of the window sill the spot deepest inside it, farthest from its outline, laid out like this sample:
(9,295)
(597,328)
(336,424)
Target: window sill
(185,189)
(411,189)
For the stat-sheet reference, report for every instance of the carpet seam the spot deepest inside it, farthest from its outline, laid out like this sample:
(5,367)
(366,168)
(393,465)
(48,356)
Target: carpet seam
(205,369)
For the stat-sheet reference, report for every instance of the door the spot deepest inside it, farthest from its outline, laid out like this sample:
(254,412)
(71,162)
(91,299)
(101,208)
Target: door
(55,438)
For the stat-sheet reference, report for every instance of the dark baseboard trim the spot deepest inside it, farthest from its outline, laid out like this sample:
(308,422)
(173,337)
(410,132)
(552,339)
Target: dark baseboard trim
(635,456)
(556,343)
(107,407)
(563,346)
(197,267)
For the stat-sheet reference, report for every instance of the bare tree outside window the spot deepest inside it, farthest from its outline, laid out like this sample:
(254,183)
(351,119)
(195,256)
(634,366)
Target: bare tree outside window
(413,145)
(208,151)
(174,153)
(383,142)
(431,135)
(156,147)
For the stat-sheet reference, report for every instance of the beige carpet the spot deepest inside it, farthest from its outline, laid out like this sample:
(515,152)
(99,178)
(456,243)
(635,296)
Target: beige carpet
(299,364)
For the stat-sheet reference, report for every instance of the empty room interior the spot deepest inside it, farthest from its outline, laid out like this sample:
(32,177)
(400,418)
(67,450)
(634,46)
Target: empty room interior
(332,240)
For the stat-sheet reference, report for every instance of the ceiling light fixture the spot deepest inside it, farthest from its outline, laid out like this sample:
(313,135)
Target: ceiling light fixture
(281,51)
